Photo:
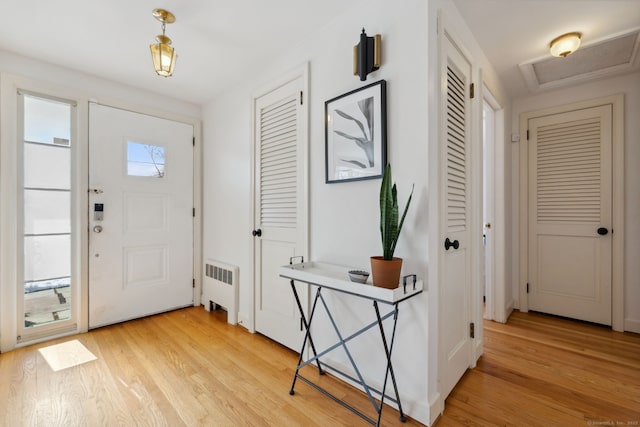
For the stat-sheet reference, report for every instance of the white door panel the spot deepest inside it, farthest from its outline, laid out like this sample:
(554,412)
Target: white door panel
(279,210)
(569,200)
(141,252)
(455,288)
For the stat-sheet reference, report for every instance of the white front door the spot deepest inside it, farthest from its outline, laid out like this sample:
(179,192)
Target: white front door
(570,211)
(455,288)
(279,210)
(140,215)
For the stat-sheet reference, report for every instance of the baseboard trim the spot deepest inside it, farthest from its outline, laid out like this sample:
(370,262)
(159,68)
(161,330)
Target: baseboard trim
(411,407)
(436,408)
(632,325)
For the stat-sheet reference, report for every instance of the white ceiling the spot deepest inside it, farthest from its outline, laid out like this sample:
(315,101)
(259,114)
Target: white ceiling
(220,41)
(512,32)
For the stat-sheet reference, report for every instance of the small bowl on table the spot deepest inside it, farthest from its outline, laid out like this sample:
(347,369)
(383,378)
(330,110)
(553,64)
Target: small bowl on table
(358,276)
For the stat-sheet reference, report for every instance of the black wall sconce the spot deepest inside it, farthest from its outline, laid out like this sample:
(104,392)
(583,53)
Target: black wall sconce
(366,55)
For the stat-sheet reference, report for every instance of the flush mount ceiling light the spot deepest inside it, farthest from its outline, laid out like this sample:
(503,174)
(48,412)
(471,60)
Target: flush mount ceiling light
(565,44)
(163,55)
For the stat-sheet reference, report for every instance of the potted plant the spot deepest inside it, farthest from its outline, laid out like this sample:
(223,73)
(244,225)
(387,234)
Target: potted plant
(386,268)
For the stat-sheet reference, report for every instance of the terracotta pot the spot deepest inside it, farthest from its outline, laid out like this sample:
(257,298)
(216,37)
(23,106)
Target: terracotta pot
(386,273)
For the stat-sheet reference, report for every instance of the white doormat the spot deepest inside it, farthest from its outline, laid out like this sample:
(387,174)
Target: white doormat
(65,355)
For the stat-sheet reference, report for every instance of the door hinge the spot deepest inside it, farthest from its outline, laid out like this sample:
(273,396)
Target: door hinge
(472,90)
(527,134)
(194,141)
(194,283)
(194,212)
(472,330)
(301,98)
(527,288)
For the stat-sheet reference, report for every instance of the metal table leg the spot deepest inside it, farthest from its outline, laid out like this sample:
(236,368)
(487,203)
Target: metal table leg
(307,335)
(342,342)
(388,350)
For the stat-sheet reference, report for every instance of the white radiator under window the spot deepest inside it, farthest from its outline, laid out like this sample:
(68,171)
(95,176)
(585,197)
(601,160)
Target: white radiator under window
(220,287)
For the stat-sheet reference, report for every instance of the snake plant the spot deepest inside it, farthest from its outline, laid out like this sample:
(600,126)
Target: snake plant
(389,227)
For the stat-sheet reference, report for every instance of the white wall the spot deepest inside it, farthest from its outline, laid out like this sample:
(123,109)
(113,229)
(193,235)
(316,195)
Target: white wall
(629,85)
(102,90)
(343,218)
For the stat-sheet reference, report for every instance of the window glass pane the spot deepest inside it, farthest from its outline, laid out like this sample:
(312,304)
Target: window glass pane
(145,160)
(47,301)
(47,212)
(47,121)
(46,257)
(47,167)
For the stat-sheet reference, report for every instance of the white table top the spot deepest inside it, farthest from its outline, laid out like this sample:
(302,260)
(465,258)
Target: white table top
(337,278)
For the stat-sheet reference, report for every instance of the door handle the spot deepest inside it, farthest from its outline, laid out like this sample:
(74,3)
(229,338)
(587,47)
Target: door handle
(257,232)
(448,243)
(603,231)
(97,229)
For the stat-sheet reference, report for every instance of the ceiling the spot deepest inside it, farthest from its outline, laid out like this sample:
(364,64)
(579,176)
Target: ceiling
(512,32)
(221,41)
(217,41)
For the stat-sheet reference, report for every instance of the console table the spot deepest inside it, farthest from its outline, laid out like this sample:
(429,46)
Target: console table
(336,278)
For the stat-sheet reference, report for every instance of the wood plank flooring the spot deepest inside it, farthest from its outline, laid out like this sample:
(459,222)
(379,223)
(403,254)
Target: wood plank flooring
(540,370)
(190,368)
(183,368)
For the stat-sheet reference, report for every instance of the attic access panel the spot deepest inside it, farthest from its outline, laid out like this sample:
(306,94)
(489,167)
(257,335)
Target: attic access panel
(607,58)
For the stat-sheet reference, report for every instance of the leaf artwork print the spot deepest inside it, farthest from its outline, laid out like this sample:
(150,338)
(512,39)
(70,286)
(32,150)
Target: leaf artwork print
(364,140)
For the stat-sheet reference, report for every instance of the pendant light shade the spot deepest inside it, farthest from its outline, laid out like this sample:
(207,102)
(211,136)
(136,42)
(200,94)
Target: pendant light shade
(163,55)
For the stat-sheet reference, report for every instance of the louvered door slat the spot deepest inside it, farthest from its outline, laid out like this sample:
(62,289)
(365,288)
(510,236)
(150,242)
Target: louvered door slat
(278,174)
(456,152)
(568,172)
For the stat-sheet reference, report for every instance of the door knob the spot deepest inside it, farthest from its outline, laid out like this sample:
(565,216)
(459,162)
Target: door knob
(257,232)
(448,243)
(97,229)
(603,231)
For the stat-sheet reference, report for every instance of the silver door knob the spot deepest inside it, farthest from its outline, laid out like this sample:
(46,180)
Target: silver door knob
(97,229)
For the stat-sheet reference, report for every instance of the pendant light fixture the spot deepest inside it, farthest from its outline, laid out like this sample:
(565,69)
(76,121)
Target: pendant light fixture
(565,44)
(163,55)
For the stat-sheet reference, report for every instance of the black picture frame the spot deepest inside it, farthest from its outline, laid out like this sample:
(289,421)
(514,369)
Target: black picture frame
(355,130)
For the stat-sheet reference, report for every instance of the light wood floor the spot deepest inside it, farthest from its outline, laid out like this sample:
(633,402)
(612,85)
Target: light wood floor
(540,370)
(189,367)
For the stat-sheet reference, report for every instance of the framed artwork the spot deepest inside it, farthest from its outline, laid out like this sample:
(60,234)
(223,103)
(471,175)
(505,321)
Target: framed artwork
(356,134)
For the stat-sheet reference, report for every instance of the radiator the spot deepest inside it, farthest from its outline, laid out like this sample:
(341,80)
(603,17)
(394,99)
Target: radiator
(220,287)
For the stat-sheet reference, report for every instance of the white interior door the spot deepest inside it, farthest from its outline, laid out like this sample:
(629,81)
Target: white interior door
(570,180)
(455,288)
(279,210)
(141,250)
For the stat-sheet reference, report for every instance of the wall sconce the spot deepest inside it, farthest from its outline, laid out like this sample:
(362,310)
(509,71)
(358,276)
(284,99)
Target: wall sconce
(366,55)
(565,44)
(163,55)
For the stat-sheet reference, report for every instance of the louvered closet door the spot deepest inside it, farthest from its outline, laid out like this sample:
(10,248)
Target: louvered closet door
(279,211)
(455,288)
(569,201)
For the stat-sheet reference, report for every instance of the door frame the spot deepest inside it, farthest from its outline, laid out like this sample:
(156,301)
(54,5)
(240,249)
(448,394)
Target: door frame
(498,308)
(617,225)
(301,71)
(9,85)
